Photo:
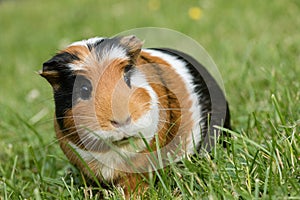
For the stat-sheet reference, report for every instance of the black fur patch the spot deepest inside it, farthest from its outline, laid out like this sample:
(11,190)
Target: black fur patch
(66,78)
(68,95)
(59,61)
(64,98)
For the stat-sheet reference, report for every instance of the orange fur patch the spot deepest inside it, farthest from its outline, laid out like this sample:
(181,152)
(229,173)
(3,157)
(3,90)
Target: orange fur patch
(114,99)
(80,51)
(139,103)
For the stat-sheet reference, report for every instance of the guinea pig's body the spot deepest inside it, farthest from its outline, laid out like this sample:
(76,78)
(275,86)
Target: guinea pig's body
(117,104)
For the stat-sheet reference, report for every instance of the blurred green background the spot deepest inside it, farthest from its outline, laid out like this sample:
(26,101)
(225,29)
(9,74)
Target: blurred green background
(255,44)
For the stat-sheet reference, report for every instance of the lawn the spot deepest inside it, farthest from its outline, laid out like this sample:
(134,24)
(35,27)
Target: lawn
(256,46)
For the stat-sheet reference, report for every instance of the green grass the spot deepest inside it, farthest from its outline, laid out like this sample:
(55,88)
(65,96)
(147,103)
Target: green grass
(255,44)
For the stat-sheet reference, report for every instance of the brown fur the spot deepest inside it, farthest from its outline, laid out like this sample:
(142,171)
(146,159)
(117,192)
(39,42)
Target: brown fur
(79,51)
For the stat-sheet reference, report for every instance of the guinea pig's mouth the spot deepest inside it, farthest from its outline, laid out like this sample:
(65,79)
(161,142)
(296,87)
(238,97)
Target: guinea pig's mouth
(125,140)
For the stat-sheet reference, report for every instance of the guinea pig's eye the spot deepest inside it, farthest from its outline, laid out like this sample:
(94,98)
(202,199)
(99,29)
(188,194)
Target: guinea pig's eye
(85,92)
(82,88)
(127,74)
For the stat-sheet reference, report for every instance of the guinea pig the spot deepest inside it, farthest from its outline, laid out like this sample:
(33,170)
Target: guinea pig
(122,111)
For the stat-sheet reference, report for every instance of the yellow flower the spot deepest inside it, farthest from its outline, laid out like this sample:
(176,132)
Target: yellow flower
(195,13)
(153,4)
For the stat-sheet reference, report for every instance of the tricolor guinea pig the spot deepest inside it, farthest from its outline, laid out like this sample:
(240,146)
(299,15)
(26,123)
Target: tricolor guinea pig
(120,107)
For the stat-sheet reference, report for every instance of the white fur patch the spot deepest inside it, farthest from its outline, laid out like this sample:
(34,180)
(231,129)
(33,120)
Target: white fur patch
(108,162)
(86,42)
(180,67)
(76,67)
(114,52)
(138,79)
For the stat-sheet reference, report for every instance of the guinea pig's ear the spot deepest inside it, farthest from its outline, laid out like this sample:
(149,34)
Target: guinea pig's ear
(53,68)
(133,45)
(50,74)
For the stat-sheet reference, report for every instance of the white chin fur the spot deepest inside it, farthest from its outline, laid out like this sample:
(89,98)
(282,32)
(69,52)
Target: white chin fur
(109,161)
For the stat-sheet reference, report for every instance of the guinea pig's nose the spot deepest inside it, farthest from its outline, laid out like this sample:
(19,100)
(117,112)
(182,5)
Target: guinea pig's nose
(120,123)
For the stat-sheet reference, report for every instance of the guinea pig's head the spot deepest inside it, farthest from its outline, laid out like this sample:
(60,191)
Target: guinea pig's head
(101,96)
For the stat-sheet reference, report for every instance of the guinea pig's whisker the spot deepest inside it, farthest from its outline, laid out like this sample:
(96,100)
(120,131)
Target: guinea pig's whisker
(83,117)
(70,134)
(166,95)
(64,94)
(76,116)
(148,76)
(173,109)
(44,121)
(91,126)
(77,129)
(70,128)
(65,117)
(93,143)
(163,96)
(163,125)
(51,119)
(61,138)
(164,108)
(87,140)
(166,121)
